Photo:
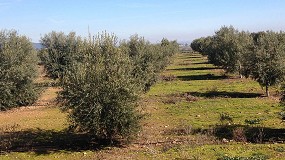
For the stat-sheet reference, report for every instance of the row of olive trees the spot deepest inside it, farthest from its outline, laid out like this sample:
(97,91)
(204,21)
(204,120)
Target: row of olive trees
(18,68)
(61,50)
(257,55)
(148,59)
(103,77)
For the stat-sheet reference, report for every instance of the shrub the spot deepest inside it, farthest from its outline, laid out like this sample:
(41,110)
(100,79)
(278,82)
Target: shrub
(18,69)
(253,121)
(226,118)
(257,156)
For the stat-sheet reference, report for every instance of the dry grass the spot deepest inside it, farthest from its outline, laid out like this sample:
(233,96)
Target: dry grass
(44,114)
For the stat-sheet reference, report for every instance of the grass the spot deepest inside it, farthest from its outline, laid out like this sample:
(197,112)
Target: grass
(183,121)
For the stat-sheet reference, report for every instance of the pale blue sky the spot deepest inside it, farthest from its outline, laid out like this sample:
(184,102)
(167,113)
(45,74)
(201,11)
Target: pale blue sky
(183,20)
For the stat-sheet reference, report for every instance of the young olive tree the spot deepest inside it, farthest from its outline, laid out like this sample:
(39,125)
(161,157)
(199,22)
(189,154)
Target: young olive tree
(265,60)
(18,69)
(100,92)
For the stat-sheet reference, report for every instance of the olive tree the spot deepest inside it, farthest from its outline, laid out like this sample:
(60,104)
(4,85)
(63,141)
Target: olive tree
(225,48)
(148,59)
(100,91)
(196,45)
(58,52)
(265,60)
(141,57)
(18,69)
(202,45)
(228,49)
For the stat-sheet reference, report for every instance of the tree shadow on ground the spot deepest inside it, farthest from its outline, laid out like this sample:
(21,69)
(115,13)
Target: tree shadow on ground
(201,77)
(47,84)
(47,141)
(238,133)
(195,56)
(246,133)
(224,94)
(201,63)
(194,69)
(190,57)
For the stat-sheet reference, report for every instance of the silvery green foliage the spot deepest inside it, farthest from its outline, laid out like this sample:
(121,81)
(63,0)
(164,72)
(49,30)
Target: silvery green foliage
(100,91)
(225,48)
(260,56)
(104,78)
(148,60)
(59,50)
(265,60)
(202,45)
(18,69)
(228,47)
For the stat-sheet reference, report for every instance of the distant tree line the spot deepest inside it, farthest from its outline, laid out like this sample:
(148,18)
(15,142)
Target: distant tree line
(260,56)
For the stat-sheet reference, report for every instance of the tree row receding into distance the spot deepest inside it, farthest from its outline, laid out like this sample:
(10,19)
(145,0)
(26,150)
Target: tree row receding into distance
(101,77)
(260,56)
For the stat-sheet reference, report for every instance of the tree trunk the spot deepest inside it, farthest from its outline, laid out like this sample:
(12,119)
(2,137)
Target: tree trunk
(239,69)
(267,91)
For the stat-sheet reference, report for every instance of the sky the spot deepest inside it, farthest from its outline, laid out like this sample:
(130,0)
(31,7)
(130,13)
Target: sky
(181,20)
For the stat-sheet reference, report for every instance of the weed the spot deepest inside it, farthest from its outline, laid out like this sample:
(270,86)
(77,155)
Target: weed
(182,130)
(259,135)
(168,77)
(213,89)
(239,135)
(184,63)
(171,100)
(282,115)
(190,98)
(226,118)
(255,156)
(253,121)
(279,149)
